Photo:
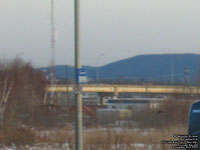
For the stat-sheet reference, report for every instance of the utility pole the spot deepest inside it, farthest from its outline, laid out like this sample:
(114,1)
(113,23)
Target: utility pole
(78,95)
(53,39)
(187,73)
(67,83)
(172,73)
(97,68)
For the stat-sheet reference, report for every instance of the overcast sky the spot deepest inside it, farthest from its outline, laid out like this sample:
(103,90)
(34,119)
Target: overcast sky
(117,28)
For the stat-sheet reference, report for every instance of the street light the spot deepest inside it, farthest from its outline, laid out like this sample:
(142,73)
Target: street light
(97,68)
(172,68)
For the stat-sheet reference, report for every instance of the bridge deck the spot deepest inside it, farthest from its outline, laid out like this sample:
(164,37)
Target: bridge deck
(109,88)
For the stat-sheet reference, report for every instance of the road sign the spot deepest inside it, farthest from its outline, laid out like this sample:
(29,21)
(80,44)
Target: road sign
(81,75)
(77,88)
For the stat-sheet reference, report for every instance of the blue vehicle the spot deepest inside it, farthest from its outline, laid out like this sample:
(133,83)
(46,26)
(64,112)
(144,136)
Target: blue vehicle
(194,121)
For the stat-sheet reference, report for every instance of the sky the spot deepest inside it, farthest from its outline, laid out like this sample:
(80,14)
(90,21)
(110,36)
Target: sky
(118,29)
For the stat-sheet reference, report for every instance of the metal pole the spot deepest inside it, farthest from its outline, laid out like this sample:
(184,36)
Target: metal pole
(67,83)
(172,73)
(187,71)
(52,63)
(97,73)
(78,95)
(97,68)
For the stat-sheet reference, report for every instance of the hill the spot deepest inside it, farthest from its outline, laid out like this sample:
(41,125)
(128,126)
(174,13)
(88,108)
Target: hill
(144,68)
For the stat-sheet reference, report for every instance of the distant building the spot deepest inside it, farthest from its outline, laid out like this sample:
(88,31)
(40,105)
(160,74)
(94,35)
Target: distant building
(90,99)
(135,104)
(121,109)
(112,115)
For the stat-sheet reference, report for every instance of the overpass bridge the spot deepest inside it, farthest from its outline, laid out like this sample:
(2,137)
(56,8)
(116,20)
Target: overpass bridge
(114,89)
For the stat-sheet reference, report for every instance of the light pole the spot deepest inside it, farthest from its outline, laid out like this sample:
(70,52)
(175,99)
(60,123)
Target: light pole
(97,68)
(187,73)
(78,95)
(172,68)
(172,73)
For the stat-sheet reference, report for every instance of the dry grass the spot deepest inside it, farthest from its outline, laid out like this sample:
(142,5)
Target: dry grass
(18,136)
(170,112)
(94,139)
(126,139)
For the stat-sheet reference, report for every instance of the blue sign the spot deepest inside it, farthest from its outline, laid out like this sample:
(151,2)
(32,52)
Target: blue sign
(81,76)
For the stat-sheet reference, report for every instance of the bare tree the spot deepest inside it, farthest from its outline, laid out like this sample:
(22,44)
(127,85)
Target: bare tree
(22,88)
(4,95)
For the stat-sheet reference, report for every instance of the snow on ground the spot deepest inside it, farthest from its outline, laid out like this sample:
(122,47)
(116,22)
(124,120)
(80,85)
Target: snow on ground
(41,146)
(56,146)
(45,146)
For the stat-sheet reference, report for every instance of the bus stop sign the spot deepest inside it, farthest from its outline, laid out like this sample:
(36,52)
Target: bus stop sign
(81,76)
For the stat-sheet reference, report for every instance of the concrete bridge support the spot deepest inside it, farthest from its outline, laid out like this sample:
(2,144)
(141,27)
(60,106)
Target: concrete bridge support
(116,93)
(101,98)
